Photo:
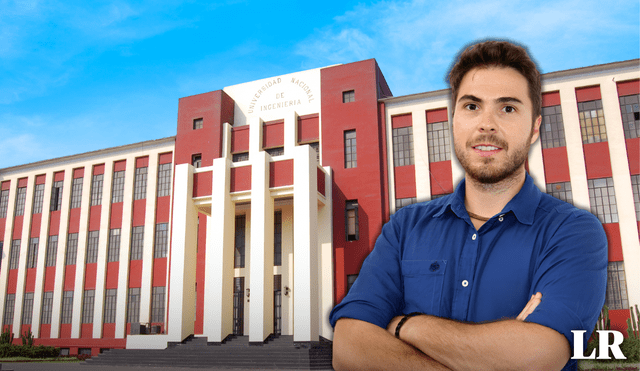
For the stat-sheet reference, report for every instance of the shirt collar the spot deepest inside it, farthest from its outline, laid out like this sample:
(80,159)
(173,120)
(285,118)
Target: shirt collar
(523,204)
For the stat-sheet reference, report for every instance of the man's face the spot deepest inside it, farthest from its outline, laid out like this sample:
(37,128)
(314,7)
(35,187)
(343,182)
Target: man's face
(492,128)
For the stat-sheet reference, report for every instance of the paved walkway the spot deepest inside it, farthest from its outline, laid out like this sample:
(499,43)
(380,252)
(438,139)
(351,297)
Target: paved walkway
(81,366)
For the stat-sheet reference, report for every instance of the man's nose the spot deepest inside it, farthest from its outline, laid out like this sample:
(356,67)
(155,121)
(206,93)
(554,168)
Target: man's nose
(488,123)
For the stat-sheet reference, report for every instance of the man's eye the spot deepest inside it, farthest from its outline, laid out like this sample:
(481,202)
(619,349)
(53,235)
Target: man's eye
(509,109)
(471,107)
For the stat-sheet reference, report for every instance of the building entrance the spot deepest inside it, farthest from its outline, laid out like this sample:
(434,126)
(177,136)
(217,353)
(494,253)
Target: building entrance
(238,306)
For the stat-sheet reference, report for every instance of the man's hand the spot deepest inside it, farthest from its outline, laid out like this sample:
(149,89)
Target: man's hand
(530,307)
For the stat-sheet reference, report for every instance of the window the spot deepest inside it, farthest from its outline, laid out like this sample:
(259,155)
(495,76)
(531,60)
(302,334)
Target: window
(561,191)
(9,307)
(21,199)
(52,251)
(113,251)
(140,186)
(279,151)
(277,238)
(38,198)
(439,141)
(635,186)
(197,124)
(157,304)
(239,241)
(316,147)
(76,193)
(196,160)
(96,189)
(164,180)
(14,255)
(87,306)
(133,309)
(72,249)
(630,116)
(351,220)
(47,308)
(4,203)
(56,196)
(117,189)
(351,279)
(27,308)
(239,157)
(403,146)
(162,240)
(110,301)
(552,128)
(32,252)
(592,122)
(616,287)
(84,351)
(92,247)
(348,96)
(402,202)
(602,198)
(67,307)
(350,155)
(137,243)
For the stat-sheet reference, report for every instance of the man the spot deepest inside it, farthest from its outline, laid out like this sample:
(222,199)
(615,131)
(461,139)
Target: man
(494,276)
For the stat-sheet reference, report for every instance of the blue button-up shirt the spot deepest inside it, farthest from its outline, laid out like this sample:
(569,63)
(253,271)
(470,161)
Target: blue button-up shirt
(430,258)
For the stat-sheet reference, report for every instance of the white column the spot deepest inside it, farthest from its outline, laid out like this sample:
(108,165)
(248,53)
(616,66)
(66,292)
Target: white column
(101,263)
(24,249)
(290,132)
(421,156)
(150,223)
(4,268)
(78,288)
(218,286)
(305,235)
(536,165)
(325,258)
(182,259)
(255,137)
(261,266)
(575,151)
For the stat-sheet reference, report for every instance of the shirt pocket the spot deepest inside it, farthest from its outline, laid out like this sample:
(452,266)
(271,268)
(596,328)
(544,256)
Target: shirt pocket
(423,283)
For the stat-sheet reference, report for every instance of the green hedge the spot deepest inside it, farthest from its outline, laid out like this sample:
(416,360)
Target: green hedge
(40,351)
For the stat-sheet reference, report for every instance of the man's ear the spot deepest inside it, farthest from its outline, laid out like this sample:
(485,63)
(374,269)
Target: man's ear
(535,130)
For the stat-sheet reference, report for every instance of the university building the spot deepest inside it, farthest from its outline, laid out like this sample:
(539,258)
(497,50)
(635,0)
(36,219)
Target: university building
(255,218)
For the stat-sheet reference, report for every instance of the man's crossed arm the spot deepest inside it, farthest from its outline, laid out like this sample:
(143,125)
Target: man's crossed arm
(433,343)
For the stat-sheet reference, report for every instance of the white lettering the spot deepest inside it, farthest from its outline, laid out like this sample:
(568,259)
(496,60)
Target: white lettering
(603,345)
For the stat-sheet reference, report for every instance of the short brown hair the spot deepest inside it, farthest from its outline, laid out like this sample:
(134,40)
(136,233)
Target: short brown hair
(497,54)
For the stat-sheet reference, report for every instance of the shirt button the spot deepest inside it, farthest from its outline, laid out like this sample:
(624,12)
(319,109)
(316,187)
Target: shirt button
(465,283)
(474,237)
(501,217)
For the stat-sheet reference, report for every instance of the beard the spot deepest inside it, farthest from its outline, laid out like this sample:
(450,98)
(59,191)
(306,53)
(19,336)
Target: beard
(489,171)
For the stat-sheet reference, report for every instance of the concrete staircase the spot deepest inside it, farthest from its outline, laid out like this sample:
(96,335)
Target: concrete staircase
(278,353)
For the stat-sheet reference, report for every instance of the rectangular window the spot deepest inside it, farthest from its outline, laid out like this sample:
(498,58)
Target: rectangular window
(351,220)
(439,141)
(67,307)
(239,241)
(350,154)
(113,251)
(403,146)
(197,124)
(351,279)
(279,151)
(561,191)
(602,198)
(277,238)
(348,96)
(162,240)
(137,243)
(140,186)
(21,199)
(164,180)
(133,309)
(96,189)
(47,308)
(4,203)
(635,186)
(14,255)
(52,251)
(196,160)
(38,198)
(56,196)
(87,306)
(402,202)
(110,301)
(27,308)
(592,121)
(32,252)
(9,307)
(616,287)
(117,189)
(76,193)
(630,116)
(239,157)
(72,249)
(552,127)
(92,247)
(157,305)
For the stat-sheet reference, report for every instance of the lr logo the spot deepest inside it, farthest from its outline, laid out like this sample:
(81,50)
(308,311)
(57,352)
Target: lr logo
(603,346)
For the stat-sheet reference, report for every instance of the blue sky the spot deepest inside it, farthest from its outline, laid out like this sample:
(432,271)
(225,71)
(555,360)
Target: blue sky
(77,76)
